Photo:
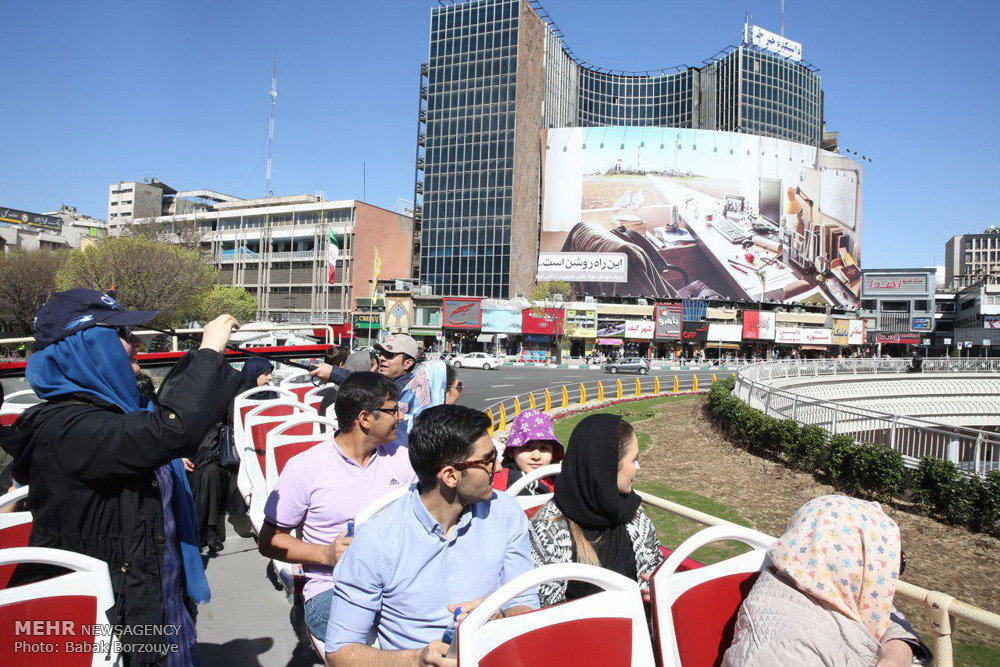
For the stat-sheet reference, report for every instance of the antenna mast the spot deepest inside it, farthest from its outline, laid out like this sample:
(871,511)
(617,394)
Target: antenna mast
(273,94)
(782,18)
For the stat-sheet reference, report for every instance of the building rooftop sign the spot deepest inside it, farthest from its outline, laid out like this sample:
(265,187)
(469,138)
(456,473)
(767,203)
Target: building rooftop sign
(12,217)
(775,43)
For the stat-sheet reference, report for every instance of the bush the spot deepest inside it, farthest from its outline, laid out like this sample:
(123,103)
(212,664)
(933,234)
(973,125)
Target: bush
(809,448)
(839,454)
(878,471)
(934,483)
(988,505)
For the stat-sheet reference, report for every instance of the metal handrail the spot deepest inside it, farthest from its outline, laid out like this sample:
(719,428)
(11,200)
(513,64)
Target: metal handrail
(973,450)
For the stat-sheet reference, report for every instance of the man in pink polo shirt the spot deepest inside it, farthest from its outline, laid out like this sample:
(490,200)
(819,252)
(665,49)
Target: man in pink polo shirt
(323,488)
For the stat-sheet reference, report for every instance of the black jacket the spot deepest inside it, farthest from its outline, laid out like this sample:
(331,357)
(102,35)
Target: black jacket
(92,486)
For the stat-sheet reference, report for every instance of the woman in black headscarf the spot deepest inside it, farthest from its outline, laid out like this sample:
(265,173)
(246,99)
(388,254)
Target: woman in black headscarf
(595,517)
(210,482)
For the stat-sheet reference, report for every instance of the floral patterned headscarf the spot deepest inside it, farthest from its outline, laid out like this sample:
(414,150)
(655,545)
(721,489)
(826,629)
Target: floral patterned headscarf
(844,552)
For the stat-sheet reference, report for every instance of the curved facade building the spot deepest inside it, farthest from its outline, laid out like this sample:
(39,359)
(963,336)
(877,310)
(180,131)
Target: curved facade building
(498,74)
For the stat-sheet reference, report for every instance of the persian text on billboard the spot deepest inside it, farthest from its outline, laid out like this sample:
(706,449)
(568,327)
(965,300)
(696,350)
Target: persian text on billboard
(881,284)
(758,325)
(695,331)
(668,321)
(13,216)
(699,214)
(775,43)
(640,329)
(462,313)
(548,321)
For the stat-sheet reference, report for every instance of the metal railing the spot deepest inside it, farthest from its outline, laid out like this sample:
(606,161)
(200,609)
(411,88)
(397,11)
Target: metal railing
(583,394)
(972,450)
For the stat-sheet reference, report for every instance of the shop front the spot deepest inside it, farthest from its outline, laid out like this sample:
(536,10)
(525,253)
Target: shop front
(366,329)
(803,341)
(894,344)
(581,330)
(461,322)
(758,334)
(610,338)
(639,336)
(667,330)
(541,329)
(502,326)
(723,340)
(694,336)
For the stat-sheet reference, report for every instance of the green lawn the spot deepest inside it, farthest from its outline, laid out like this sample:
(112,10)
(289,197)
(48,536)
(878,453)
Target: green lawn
(632,412)
(974,654)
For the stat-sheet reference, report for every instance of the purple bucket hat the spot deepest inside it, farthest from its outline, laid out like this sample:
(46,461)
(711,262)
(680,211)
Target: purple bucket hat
(534,425)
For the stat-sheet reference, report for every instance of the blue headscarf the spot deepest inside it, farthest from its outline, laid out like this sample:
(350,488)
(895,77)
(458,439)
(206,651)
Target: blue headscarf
(93,362)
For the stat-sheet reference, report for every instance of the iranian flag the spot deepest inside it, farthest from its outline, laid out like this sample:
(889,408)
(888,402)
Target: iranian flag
(332,252)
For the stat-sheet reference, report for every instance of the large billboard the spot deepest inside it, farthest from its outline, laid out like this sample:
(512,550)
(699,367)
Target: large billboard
(16,218)
(462,313)
(695,214)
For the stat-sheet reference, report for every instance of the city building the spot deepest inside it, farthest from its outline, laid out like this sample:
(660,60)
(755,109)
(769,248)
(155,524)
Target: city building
(499,73)
(64,229)
(899,305)
(277,248)
(969,257)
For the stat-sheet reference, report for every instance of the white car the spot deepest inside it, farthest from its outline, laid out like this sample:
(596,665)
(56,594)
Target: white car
(477,360)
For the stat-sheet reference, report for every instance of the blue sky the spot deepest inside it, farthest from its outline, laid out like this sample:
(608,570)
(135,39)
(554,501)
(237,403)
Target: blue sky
(96,92)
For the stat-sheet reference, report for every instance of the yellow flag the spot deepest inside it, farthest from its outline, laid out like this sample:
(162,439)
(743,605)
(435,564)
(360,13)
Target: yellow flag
(376,272)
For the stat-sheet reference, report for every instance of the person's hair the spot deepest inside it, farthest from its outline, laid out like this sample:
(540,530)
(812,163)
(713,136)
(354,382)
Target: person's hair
(444,435)
(585,552)
(362,392)
(336,355)
(450,377)
(146,386)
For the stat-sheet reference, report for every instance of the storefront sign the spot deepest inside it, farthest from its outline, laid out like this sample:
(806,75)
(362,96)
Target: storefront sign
(581,323)
(840,332)
(640,329)
(548,321)
(775,43)
(608,328)
(367,322)
(724,333)
(817,336)
(991,321)
(12,217)
(668,321)
(758,325)
(501,321)
(610,341)
(462,314)
(897,338)
(921,324)
(856,332)
(695,331)
(790,335)
(894,285)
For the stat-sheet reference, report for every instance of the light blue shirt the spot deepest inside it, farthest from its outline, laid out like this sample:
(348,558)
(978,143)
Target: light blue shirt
(400,573)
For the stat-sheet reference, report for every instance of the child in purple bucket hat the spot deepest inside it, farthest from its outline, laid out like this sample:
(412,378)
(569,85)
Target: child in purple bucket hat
(531,445)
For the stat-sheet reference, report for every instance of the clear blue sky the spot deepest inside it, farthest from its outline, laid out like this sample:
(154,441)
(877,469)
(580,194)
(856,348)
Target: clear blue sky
(96,92)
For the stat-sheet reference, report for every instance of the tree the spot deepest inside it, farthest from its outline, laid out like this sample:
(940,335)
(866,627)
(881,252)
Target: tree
(233,300)
(148,274)
(552,294)
(27,280)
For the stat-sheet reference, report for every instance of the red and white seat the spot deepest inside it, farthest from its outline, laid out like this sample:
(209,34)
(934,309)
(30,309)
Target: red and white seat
(246,401)
(299,384)
(694,611)
(531,504)
(260,421)
(15,528)
(16,403)
(67,605)
(606,629)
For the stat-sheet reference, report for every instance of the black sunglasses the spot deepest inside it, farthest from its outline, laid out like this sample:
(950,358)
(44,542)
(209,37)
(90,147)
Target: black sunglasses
(902,563)
(458,386)
(385,354)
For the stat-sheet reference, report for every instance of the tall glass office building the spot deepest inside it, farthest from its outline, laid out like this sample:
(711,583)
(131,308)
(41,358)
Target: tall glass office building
(499,73)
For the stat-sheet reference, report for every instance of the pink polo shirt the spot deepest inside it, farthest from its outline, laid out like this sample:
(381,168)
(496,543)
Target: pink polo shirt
(321,489)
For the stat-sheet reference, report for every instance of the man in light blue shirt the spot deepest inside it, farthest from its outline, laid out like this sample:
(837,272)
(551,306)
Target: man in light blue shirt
(450,542)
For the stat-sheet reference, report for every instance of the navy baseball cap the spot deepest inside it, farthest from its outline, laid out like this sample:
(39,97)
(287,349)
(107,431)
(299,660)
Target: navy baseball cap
(78,309)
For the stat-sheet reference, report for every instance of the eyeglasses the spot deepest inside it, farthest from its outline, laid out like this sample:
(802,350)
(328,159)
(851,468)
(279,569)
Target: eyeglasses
(487,463)
(386,354)
(389,411)
(458,386)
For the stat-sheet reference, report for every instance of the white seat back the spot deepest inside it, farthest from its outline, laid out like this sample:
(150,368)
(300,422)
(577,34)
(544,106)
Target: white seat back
(606,629)
(376,507)
(530,503)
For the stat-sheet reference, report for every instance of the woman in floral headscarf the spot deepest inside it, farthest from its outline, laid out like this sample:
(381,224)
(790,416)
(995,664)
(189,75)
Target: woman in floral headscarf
(826,598)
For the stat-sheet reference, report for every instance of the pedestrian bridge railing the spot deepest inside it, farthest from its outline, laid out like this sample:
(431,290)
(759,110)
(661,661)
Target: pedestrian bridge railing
(972,450)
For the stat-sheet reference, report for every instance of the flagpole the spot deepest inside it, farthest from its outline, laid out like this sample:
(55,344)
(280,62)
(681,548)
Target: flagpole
(371,297)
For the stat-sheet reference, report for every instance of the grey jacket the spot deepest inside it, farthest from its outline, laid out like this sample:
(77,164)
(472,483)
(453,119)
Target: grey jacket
(779,625)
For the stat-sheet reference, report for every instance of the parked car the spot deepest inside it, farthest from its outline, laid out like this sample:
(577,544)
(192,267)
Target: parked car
(476,360)
(627,365)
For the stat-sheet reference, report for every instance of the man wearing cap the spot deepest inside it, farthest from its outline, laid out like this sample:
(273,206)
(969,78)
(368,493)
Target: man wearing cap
(398,355)
(103,463)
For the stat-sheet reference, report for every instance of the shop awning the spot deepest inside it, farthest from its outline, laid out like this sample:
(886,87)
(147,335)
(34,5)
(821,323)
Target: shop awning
(610,341)
(723,346)
(814,348)
(424,331)
(484,338)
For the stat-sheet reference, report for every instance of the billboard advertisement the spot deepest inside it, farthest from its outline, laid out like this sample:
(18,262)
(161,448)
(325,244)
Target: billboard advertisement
(841,332)
(545,321)
(724,333)
(581,322)
(694,331)
(895,284)
(668,321)
(991,321)
(921,324)
(801,335)
(496,320)
(699,214)
(640,329)
(462,313)
(775,43)
(758,325)
(610,328)
(17,218)
(856,332)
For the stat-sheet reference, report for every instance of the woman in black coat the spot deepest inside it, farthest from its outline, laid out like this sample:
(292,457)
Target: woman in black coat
(103,463)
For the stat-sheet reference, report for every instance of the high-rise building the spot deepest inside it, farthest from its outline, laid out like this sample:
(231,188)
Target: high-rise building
(499,74)
(278,248)
(970,257)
